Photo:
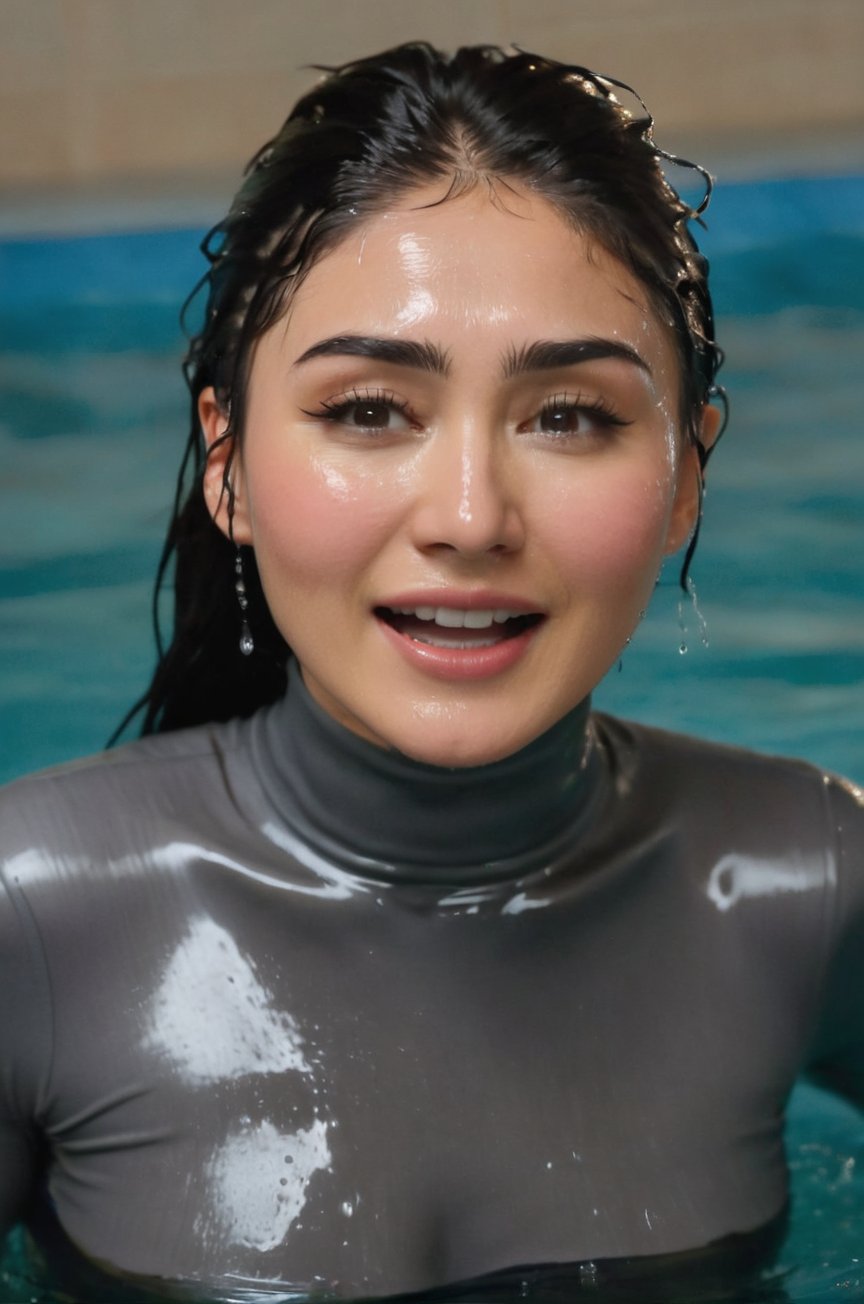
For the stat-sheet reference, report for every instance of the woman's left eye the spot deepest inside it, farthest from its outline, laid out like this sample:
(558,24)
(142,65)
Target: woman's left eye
(565,417)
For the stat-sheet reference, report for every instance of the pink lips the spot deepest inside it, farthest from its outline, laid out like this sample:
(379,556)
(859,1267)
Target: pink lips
(467,600)
(473,661)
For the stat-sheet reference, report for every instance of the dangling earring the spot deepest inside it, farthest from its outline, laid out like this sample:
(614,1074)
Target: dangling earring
(247,642)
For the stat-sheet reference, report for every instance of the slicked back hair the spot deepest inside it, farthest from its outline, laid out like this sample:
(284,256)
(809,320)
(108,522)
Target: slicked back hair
(366,135)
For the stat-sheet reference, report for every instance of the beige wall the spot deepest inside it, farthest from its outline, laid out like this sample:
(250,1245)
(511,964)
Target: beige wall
(95,90)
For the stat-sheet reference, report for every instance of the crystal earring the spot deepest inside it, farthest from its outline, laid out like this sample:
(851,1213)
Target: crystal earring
(247,642)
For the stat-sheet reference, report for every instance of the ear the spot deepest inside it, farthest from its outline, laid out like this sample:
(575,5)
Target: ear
(223,454)
(685,508)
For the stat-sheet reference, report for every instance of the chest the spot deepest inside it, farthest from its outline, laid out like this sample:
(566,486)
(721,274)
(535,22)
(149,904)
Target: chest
(405,1096)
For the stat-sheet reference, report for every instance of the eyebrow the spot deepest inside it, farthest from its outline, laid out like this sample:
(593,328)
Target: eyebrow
(542,355)
(548,355)
(423,356)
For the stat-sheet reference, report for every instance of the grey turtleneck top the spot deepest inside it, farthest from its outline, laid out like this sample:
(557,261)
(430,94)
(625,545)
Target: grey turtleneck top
(277,1006)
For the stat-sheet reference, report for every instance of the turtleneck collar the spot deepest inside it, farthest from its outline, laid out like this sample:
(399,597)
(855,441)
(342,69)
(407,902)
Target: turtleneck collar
(384,816)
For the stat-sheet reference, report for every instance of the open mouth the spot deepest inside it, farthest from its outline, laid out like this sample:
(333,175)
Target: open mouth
(455,627)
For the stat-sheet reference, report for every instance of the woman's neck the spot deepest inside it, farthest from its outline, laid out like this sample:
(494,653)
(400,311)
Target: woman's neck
(385,816)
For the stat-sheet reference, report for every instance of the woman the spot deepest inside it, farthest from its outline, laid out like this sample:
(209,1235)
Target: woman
(414,972)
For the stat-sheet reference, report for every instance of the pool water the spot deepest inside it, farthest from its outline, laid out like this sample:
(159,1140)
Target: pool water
(93,415)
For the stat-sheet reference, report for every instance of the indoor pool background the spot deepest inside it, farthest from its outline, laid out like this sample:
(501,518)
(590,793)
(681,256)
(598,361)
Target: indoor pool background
(92,419)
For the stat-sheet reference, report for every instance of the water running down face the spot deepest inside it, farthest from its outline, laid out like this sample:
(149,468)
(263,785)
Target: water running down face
(461,469)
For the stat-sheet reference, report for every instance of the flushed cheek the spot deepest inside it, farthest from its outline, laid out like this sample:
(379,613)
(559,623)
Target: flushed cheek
(315,526)
(609,539)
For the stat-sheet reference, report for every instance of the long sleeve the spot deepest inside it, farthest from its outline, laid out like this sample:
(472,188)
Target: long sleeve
(837,1058)
(25,1050)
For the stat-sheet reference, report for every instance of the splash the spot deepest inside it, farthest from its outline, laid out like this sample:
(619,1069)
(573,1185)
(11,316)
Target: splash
(212,1017)
(259,1181)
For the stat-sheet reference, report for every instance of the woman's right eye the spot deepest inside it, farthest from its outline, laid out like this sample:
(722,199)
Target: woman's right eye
(367,413)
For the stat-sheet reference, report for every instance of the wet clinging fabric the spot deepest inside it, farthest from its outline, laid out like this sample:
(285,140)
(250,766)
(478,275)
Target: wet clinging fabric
(279,1006)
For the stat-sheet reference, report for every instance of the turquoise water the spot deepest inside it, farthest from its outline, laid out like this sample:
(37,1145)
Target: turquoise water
(92,417)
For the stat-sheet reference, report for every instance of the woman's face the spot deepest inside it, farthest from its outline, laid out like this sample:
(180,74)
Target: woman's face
(461,469)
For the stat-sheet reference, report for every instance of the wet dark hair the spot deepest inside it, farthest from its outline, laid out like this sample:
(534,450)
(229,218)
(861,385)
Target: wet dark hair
(369,132)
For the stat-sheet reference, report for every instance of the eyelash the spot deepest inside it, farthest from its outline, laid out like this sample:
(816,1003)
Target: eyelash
(336,410)
(596,409)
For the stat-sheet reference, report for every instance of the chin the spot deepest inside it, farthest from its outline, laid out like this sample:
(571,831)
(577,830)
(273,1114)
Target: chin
(464,746)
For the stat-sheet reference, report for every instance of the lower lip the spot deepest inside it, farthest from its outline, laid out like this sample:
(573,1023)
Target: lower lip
(458,662)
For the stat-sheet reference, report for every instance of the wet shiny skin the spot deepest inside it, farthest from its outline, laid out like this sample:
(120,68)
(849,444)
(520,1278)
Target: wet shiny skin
(295,1008)
(463,493)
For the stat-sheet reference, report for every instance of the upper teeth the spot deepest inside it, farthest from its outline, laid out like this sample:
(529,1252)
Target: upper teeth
(456,618)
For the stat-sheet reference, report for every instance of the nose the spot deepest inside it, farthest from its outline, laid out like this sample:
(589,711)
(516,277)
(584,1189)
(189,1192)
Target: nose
(469,501)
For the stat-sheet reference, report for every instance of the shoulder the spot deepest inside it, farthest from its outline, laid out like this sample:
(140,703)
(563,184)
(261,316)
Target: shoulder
(146,760)
(141,754)
(102,804)
(731,773)
(751,819)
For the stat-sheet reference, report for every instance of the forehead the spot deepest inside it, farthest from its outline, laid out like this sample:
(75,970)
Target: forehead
(493,263)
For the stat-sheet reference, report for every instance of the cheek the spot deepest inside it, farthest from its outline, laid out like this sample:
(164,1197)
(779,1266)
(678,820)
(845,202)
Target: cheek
(610,535)
(312,524)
